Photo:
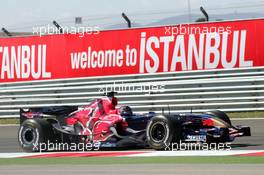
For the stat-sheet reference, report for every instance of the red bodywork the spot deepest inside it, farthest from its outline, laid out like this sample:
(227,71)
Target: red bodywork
(97,118)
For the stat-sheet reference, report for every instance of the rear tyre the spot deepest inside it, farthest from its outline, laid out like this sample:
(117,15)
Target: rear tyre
(162,131)
(221,115)
(34,135)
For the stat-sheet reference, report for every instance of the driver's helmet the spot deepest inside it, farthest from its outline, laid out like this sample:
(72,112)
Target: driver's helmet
(125,111)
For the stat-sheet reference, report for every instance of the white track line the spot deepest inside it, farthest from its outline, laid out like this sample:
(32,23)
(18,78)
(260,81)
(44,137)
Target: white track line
(150,153)
(15,155)
(195,153)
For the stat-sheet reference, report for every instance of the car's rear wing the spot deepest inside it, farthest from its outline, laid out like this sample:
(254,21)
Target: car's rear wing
(32,113)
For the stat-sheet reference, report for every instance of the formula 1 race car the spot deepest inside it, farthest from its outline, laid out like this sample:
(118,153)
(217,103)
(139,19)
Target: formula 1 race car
(102,122)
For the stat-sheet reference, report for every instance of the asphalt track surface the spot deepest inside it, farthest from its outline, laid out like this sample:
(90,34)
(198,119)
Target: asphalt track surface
(9,143)
(144,169)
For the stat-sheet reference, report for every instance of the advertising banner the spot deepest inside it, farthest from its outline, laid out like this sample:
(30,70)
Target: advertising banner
(219,45)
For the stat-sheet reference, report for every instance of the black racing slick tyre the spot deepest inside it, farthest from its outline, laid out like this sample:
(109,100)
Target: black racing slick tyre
(34,134)
(221,115)
(162,131)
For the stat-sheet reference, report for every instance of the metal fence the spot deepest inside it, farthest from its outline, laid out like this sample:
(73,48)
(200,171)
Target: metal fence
(229,90)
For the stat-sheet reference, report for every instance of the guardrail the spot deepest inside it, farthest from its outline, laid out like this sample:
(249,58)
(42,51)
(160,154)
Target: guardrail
(229,90)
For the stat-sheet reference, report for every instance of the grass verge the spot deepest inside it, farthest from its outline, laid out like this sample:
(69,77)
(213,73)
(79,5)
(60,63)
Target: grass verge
(255,114)
(136,160)
(9,121)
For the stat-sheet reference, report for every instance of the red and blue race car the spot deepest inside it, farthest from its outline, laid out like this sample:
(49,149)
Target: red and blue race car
(102,123)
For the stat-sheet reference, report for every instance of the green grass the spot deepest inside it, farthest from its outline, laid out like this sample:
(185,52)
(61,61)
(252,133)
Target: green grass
(137,160)
(9,121)
(246,114)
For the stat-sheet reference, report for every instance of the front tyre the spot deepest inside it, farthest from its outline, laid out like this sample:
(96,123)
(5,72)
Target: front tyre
(33,135)
(161,132)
